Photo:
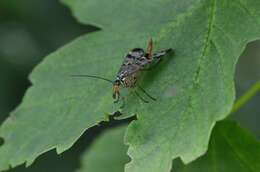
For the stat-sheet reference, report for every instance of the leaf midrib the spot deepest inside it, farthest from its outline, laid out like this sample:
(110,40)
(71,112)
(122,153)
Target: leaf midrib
(239,157)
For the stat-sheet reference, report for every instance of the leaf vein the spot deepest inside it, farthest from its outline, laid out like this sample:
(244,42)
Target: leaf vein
(239,157)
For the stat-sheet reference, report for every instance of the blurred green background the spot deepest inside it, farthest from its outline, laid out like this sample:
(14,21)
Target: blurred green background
(31,29)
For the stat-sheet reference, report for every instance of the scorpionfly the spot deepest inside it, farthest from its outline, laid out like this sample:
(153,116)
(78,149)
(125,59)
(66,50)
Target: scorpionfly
(134,62)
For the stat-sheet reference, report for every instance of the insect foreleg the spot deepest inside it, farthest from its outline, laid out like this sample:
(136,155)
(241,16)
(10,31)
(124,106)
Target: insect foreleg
(117,96)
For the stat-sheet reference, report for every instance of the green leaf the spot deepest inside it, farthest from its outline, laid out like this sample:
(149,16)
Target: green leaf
(230,149)
(58,108)
(107,153)
(193,90)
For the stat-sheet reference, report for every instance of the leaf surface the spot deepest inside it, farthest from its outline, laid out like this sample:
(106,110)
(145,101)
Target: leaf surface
(231,148)
(194,88)
(107,153)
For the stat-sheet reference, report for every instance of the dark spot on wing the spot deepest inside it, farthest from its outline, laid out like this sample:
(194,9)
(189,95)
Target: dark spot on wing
(129,56)
(137,53)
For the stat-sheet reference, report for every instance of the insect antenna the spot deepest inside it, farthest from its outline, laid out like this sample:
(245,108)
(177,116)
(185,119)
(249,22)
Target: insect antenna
(92,76)
(151,97)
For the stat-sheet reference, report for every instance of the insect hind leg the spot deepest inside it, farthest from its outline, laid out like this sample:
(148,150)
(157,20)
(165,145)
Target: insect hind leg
(141,98)
(147,94)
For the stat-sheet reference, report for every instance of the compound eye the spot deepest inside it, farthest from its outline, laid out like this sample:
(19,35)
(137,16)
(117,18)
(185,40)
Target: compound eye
(118,82)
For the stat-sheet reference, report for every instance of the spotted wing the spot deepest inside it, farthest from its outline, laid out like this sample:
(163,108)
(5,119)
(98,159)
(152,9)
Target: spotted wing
(133,64)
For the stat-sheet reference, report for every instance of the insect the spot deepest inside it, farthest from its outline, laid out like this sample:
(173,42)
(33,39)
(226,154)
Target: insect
(136,61)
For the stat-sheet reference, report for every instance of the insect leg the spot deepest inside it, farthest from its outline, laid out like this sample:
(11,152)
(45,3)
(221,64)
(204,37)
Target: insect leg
(154,99)
(141,98)
(117,97)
